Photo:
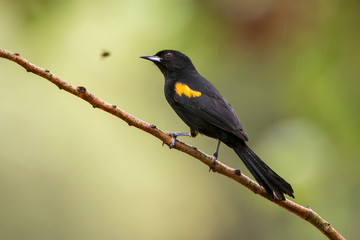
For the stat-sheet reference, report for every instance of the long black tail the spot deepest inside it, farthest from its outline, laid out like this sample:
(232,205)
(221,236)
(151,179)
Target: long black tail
(263,174)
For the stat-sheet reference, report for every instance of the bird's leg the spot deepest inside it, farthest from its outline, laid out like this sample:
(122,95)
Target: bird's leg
(215,156)
(216,153)
(174,135)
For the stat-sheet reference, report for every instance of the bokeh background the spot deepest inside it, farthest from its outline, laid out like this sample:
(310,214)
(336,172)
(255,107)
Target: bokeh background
(290,69)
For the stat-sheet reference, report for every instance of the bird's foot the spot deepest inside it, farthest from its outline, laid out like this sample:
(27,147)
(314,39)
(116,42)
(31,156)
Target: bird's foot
(173,140)
(214,158)
(174,135)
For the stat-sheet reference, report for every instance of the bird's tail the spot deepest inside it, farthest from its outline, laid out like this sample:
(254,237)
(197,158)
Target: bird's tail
(263,174)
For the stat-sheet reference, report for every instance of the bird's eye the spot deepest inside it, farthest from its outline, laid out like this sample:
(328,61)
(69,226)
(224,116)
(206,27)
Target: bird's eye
(168,55)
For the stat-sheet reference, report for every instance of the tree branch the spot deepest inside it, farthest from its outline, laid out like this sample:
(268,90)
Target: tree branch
(304,212)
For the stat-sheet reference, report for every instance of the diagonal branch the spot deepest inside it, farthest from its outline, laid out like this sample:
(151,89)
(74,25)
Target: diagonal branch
(304,212)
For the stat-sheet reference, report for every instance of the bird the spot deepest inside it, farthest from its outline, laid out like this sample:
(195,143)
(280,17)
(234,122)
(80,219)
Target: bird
(204,110)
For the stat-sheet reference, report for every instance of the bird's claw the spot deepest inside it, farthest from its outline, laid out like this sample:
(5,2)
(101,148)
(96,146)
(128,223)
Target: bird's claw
(213,162)
(173,141)
(174,135)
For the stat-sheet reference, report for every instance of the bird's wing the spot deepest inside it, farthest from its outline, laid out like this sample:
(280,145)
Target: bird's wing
(215,110)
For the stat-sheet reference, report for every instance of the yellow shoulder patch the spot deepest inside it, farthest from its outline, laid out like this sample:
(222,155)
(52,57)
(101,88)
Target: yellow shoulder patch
(182,88)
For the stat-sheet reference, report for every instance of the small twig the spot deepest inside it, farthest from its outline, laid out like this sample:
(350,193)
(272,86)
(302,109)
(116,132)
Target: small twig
(304,212)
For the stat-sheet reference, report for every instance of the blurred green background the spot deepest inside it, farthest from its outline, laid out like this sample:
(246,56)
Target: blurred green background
(68,171)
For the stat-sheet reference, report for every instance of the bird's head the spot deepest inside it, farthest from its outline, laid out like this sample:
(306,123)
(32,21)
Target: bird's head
(170,61)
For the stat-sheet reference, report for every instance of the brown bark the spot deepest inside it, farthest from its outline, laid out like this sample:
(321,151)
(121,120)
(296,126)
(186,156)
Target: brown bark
(304,212)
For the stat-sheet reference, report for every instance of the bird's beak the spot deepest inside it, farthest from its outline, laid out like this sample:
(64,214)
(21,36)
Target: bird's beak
(152,58)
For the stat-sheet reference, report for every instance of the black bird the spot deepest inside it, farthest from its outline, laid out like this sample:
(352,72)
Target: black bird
(200,105)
